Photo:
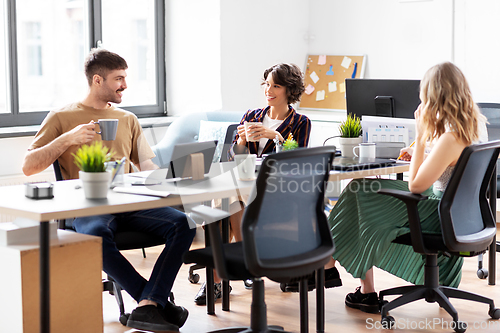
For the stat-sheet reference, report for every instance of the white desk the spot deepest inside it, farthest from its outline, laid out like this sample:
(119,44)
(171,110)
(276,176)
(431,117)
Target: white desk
(70,202)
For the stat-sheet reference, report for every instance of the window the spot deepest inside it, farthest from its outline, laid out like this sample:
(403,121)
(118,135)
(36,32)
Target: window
(44,48)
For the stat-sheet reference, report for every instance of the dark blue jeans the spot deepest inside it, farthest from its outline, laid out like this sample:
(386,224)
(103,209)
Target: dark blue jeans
(166,222)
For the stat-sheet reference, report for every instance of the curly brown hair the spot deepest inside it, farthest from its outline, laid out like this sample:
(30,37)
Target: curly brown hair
(288,76)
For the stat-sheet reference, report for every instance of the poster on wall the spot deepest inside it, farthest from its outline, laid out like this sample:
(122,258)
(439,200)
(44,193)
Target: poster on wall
(324,79)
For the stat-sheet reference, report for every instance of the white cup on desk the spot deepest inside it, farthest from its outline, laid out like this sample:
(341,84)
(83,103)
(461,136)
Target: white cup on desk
(245,164)
(367,151)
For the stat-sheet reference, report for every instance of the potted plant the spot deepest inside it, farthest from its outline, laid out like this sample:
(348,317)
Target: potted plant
(290,143)
(90,160)
(350,135)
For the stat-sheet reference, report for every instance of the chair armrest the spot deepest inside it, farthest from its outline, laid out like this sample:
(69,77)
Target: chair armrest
(402,195)
(210,215)
(411,200)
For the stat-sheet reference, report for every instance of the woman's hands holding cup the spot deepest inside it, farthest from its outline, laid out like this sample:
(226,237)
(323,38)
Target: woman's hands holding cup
(254,131)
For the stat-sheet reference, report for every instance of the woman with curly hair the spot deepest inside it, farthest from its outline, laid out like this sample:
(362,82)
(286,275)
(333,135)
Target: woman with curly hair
(284,84)
(448,120)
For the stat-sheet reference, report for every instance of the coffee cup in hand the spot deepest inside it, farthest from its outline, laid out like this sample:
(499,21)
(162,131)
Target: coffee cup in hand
(107,128)
(249,126)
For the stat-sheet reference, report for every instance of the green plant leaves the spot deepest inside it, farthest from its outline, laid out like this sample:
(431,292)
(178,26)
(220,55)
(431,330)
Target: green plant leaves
(92,158)
(351,127)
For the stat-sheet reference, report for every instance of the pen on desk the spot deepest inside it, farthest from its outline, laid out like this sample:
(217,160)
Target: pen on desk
(408,147)
(117,168)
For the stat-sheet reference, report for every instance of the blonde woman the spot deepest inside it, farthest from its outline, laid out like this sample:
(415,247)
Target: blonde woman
(449,120)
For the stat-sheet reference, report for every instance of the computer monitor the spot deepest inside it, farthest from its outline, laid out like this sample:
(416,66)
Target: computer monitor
(382,97)
(177,166)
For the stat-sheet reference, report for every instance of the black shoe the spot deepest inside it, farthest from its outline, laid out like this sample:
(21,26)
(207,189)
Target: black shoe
(364,302)
(174,314)
(148,318)
(332,279)
(201,296)
(248,283)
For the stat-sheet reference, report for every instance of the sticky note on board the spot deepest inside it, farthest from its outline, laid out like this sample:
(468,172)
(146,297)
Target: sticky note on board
(322,60)
(330,71)
(342,87)
(314,77)
(309,89)
(346,62)
(320,95)
(332,86)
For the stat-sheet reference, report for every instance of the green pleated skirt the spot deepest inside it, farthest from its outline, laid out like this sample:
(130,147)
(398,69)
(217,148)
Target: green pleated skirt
(364,224)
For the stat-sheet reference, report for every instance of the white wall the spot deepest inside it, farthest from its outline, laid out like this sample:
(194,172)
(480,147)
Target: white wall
(235,40)
(256,34)
(193,55)
(217,50)
(478,46)
(400,39)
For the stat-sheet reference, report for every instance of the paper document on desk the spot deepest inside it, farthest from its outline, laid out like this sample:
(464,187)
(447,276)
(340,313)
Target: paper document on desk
(142,190)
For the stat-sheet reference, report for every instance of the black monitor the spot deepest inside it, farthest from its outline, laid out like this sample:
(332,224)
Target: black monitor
(177,166)
(382,97)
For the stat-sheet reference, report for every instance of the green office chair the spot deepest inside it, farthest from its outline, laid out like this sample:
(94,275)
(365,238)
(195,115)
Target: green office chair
(467,228)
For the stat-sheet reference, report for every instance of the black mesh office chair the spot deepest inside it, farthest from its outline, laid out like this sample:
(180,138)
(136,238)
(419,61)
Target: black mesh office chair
(285,233)
(492,113)
(468,227)
(125,240)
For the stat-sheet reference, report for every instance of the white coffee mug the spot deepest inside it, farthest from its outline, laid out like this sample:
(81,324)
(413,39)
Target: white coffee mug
(245,164)
(366,150)
(249,132)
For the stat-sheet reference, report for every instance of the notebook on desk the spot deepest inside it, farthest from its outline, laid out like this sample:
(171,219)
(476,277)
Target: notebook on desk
(354,164)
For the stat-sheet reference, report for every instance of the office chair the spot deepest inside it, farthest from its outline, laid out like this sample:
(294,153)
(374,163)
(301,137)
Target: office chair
(285,233)
(125,240)
(492,113)
(467,226)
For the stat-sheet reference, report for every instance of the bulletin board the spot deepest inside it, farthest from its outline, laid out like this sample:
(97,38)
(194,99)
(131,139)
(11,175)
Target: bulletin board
(324,79)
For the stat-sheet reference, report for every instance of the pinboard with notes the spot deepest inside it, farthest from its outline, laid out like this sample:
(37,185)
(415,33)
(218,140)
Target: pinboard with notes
(324,79)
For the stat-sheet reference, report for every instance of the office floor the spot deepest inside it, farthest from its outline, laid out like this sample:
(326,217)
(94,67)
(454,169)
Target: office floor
(283,308)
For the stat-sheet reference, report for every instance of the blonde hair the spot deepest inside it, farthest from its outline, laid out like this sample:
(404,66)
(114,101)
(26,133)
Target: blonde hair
(448,105)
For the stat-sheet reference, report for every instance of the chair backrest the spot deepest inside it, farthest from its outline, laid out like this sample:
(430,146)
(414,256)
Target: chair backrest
(231,132)
(186,129)
(285,231)
(467,222)
(492,113)
(57,170)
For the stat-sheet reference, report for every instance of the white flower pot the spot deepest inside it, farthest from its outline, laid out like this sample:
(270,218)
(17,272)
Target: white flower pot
(347,144)
(95,184)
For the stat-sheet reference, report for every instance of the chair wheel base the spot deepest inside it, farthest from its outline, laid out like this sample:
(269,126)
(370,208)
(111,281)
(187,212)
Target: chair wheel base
(494,313)
(388,322)
(194,278)
(482,273)
(460,326)
(124,319)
